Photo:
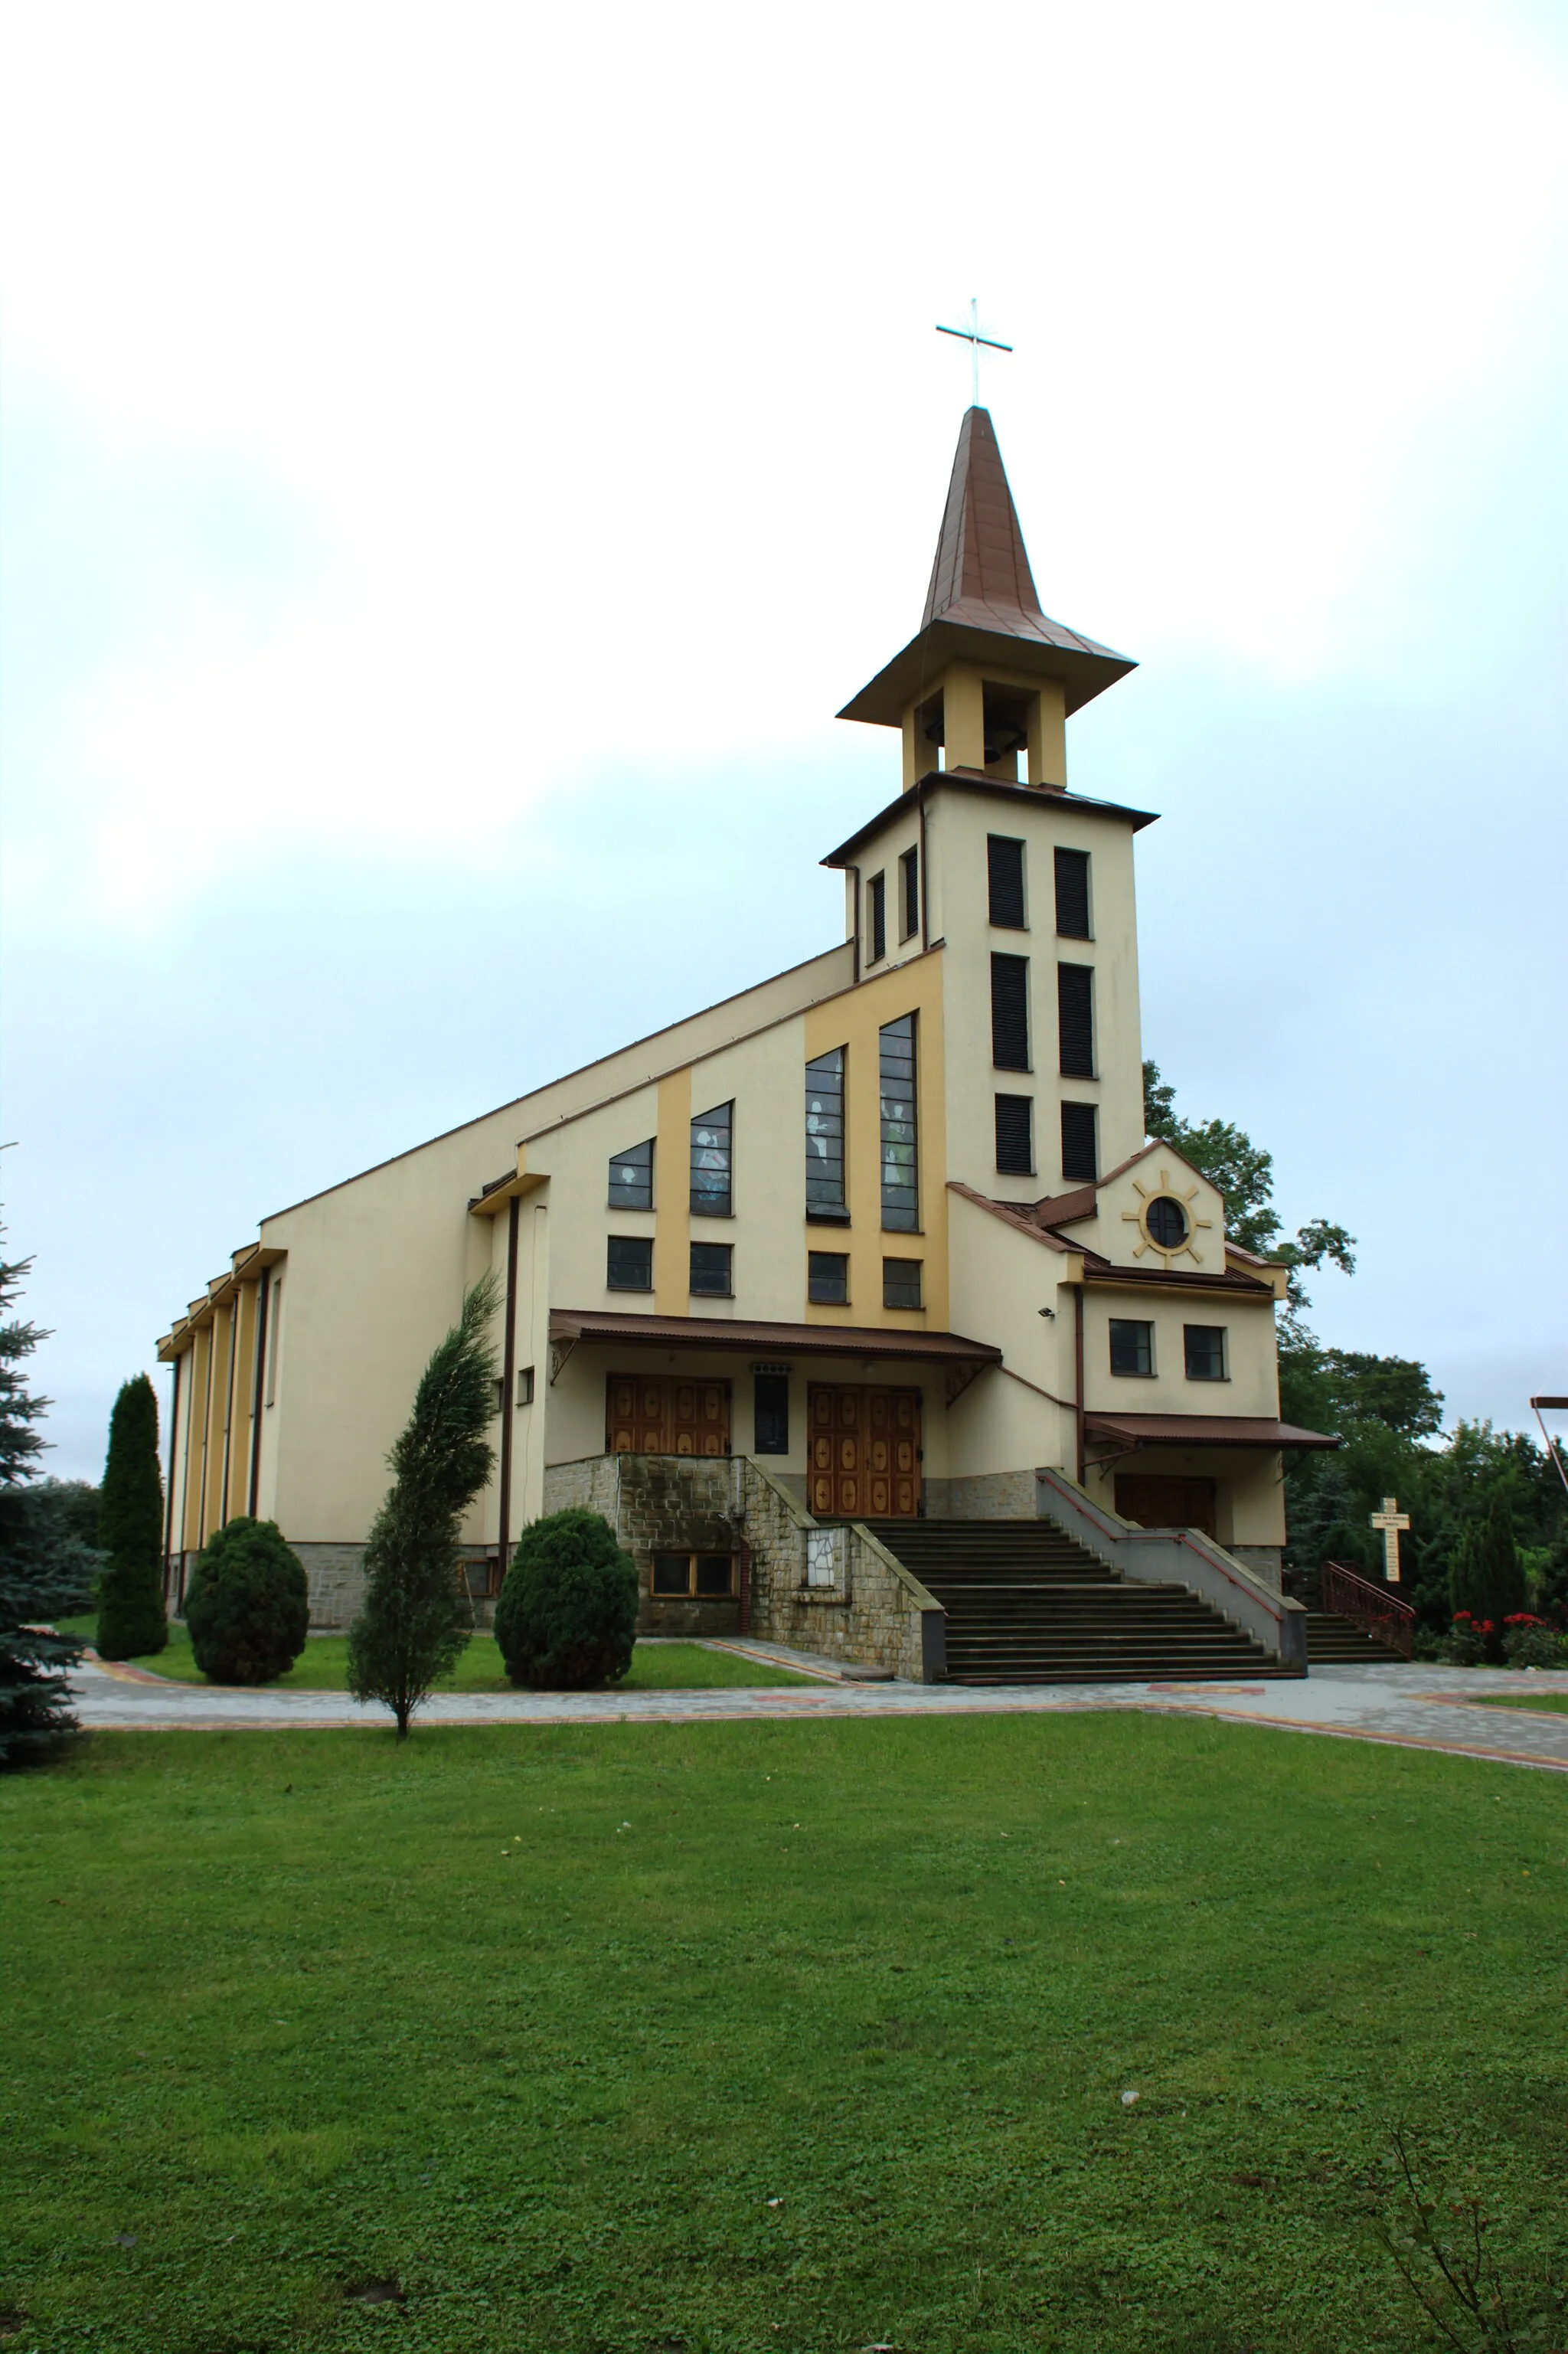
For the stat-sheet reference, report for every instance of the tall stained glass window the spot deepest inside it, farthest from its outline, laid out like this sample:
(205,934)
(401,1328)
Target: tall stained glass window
(712,1135)
(900,1171)
(825,1137)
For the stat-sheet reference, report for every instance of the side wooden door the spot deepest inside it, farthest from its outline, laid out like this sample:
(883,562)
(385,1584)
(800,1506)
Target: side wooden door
(1166,1501)
(657,1414)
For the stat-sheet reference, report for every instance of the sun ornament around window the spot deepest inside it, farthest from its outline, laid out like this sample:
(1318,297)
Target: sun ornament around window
(1165,1221)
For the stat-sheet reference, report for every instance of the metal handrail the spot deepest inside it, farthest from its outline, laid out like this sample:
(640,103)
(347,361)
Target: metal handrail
(1375,1611)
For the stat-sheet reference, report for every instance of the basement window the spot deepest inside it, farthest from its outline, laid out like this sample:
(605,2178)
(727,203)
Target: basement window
(704,1576)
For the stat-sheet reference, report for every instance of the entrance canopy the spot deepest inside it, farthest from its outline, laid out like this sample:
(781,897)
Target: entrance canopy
(866,1340)
(1200,1430)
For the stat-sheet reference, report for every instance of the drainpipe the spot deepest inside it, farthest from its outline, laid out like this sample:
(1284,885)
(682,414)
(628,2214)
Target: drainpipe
(508,1384)
(1078,1377)
(169,1499)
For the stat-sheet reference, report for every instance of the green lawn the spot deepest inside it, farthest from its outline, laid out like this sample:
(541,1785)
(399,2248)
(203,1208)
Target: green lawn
(1529,1698)
(322,1666)
(719,2038)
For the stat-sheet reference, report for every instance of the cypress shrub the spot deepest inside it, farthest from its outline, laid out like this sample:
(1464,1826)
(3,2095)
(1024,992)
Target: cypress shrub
(131,1620)
(1486,1576)
(247,1609)
(568,1611)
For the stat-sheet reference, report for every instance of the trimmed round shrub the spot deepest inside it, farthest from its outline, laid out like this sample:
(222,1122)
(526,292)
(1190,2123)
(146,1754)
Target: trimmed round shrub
(248,1610)
(568,1611)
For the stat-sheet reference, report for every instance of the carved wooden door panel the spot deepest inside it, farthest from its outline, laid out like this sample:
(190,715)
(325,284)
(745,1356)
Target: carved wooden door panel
(653,1413)
(1166,1503)
(863,1452)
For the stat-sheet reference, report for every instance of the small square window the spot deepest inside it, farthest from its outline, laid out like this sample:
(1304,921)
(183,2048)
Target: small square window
(1132,1346)
(1015,1135)
(1205,1352)
(901,1282)
(631,1263)
(711,1269)
(671,1573)
(526,1386)
(715,1573)
(876,919)
(827,1277)
(909,894)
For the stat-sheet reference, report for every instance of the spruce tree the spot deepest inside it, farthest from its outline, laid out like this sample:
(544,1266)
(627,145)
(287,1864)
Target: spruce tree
(131,1621)
(41,1579)
(414,1622)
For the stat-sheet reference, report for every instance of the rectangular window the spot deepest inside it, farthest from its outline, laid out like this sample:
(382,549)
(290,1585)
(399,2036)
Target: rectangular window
(825,1137)
(1076,1019)
(1132,1346)
(909,894)
(900,1171)
(876,919)
(1015,1135)
(631,1266)
(632,1178)
(525,1385)
(1005,868)
(1010,1012)
(901,1282)
(1073,893)
(712,1134)
(1080,1157)
(708,1575)
(827,1277)
(711,1269)
(771,1400)
(1204,1348)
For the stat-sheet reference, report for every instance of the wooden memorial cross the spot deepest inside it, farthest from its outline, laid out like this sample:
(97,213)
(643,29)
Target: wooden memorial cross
(1391,1519)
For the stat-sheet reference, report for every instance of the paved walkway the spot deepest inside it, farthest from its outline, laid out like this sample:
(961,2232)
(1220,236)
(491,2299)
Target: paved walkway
(1412,1706)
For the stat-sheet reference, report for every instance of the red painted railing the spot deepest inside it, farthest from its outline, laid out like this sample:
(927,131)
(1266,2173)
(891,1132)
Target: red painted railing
(1373,1608)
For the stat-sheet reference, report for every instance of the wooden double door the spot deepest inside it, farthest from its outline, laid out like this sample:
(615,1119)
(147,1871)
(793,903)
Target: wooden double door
(1157,1502)
(864,1452)
(665,1414)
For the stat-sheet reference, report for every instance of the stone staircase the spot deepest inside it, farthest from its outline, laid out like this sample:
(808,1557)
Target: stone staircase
(1332,1641)
(1026,1604)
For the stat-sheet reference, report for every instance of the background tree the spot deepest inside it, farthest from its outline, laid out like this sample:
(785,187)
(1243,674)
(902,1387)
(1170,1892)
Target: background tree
(247,1612)
(567,1612)
(415,1622)
(131,1620)
(41,1579)
(1486,1577)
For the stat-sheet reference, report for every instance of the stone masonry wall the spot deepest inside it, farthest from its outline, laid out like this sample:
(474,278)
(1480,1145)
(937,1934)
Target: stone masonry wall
(988,1496)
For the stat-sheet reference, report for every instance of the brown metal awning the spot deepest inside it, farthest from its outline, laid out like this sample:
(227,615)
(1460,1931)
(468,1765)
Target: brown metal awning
(1201,1430)
(634,1332)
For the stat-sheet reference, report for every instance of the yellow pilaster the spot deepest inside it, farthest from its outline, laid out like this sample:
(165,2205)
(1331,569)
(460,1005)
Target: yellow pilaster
(918,756)
(672,1197)
(218,1420)
(963,719)
(242,1408)
(200,1373)
(1048,736)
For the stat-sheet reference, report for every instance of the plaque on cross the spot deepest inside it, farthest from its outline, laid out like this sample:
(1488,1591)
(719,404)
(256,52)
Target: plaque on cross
(1391,1519)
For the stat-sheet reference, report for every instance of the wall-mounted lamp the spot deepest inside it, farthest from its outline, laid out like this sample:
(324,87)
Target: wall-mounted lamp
(1049,1312)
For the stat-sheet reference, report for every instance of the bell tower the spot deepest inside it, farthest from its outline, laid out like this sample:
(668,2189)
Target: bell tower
(989,676)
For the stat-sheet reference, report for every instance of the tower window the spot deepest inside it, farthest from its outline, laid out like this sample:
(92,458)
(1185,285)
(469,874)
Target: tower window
(1010,1012)
(1080,1159)
(1004,867)
(901,1283)
(631,1263)
(1204,1350)
(900,1172)
(1076,1019)
(632,1178)
(712,1135)
(770,1434)
(1132,1346)
(1015,1135)
(825,1137)
(1072,893)
(909,894)
(827,1277)
(876,919)
(711,1269)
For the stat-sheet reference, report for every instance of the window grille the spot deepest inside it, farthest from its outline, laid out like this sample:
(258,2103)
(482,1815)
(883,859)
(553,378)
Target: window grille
(1073,893)
(1010,1012)
(632,1178)
(1080,1157)
(900,1170)
(712,1138)
(1132,1346)
(1076,1019)
(876,923)
(1015,1135)
(825,1137)
(909,881)
(1004,867)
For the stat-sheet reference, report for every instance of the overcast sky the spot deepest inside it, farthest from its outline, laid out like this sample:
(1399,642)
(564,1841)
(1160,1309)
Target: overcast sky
(458,460)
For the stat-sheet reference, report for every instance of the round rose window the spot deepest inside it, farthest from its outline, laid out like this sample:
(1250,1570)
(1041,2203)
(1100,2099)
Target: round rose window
(1167,1222)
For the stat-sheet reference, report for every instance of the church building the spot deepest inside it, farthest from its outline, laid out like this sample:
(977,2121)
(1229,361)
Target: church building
(838,1291)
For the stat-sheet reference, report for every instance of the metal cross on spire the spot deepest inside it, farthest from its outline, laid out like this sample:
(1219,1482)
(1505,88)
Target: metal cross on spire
(973,336)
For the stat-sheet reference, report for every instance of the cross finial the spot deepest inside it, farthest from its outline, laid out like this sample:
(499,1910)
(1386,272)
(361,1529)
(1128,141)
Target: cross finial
(1391,1519)
(973,336)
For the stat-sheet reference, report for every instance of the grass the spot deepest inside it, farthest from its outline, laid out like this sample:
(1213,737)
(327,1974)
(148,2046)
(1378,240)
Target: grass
(729,2037)
(1555,1700)
(322,1666)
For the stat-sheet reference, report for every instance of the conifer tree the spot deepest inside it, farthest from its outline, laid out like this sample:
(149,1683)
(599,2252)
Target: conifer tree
(1486,1577)
(414,1622)
(39,1579)
(131,1621)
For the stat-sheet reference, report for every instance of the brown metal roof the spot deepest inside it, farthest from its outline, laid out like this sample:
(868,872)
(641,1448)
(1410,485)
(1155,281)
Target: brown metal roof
(966,780)
(1201,1430)
(1235,1278)
(800,1340)
(982,592)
